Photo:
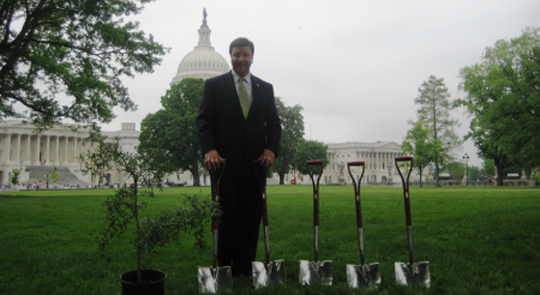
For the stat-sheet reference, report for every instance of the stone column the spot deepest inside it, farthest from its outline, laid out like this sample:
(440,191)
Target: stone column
(18,147)
(28,140)
(8,147)
(38,148)
(57,151)
(77,147)
(66,150)
(48,148)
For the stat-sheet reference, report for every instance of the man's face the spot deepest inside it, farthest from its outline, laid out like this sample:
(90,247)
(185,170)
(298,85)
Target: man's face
(241,59)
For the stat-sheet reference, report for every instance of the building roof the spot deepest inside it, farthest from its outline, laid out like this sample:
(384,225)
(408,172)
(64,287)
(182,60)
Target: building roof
(203,62)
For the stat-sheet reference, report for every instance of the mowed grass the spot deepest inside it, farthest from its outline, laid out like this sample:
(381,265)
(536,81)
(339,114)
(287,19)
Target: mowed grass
(477,240)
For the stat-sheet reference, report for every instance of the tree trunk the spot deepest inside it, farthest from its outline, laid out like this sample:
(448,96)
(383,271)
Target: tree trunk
(437,184)
(138,226)
(195,174)
(281,178)
(500,176)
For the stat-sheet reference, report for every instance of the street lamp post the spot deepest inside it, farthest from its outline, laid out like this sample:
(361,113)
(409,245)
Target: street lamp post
(466,178)
(389,166)
(47,176)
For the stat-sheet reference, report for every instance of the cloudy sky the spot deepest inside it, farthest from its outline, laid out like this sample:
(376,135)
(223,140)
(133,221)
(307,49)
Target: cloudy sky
(354,66)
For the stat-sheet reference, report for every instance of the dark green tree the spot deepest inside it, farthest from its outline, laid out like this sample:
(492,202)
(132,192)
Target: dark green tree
(488,167)
(503,91)
(172,131)
(417,145)
(79,49)
(15,176)
(54,177)
(434,110)
(310,150)
(292,123)
(456,170)
(476,173)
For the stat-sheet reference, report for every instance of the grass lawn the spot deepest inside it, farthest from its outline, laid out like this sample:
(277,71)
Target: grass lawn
(477,240)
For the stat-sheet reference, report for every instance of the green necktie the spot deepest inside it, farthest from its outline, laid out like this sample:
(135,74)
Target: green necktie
(244,97)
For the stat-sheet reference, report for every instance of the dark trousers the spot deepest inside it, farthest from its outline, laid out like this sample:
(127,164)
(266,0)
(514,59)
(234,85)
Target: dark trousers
(241,204)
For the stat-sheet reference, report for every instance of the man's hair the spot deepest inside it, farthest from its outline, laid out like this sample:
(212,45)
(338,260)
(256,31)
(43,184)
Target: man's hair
(239,42)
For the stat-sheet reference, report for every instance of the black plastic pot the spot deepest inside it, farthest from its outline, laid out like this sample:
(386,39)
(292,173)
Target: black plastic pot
(153,283)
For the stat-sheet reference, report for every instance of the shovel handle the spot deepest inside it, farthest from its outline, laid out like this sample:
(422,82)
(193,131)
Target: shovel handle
(215,192)
(315,189)
(262,183)
(406,186)
(357,190)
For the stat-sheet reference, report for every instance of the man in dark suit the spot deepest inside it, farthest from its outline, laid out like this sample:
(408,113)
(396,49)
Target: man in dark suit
(238,125)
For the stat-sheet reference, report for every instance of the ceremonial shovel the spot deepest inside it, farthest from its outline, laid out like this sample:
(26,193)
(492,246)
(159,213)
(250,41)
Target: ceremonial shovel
(363,276)
(267,273)
(316,271)
(411,273)
(213,278)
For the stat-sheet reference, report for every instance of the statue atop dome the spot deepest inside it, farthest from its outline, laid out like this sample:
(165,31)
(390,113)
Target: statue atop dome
(204,18)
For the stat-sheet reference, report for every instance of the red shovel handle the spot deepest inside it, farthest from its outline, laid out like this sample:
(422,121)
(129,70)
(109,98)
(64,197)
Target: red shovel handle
(406,186)
(357,190)
(215,192)
(315,189)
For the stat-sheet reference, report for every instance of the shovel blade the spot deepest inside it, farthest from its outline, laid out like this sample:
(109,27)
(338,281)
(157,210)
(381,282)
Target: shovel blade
(213,279)
(417,273)
(268,274)
(364,276)
(316,272)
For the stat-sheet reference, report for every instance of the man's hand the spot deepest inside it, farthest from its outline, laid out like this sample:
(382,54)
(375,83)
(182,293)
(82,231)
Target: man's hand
(267,158)
(212,160)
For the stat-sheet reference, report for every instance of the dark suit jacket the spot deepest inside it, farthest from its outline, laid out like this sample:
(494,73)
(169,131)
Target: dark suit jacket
(221,124)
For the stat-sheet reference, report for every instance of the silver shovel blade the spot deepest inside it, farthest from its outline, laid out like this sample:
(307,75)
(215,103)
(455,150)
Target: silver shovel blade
(213,279)
(364,276)
(269,274)
(417,273)
(316,272)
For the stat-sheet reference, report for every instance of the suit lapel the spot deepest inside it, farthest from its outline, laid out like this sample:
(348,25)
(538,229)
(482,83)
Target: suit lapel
(257,96)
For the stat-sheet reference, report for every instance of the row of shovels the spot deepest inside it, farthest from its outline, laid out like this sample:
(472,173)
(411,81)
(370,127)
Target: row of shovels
(269,273)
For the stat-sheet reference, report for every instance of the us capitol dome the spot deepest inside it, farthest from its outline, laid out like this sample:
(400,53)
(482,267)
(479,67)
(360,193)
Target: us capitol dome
(203,62)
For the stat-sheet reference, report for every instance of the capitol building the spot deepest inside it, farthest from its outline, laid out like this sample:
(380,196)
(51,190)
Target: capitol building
(60,148)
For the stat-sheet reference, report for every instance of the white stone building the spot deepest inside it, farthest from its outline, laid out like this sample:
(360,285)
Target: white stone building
(59,148)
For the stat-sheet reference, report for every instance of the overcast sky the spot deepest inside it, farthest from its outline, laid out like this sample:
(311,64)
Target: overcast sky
(354,66)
